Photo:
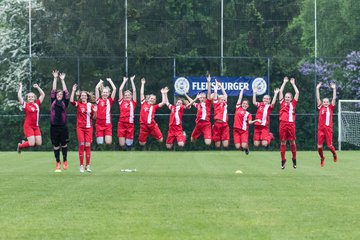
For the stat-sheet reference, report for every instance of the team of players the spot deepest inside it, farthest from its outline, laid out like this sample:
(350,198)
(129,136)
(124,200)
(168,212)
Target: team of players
(218,133)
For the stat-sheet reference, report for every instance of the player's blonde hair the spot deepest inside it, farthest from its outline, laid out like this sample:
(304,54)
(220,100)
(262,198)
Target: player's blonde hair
(26,95)
(183,100)
(128,91)
(147,97)
(102,87)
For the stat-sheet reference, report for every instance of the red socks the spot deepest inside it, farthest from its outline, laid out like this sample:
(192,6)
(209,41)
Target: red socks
(293,150)
(282,152)
(88,155)
(321,153)
(332,149)
(24,145)
(81,154)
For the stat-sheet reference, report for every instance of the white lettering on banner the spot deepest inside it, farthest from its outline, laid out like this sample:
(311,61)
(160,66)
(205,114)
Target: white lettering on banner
(200,86)
(233,86)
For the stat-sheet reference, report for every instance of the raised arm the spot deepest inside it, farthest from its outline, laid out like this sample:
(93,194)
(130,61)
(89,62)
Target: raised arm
(187,97)
(296,96)
(42,94)
(166,97)
(318,100)
(164,92)
(73,93)
(133,88)
(281,93)
(208,87)
(241,94)
(223,90)
(254,96)
(192,101)
(215,90)
(55,74)
(276,92)
(142,89)
(20,98)
(122,87)
(113,92)
(333,86)
(62,78)
(97,95)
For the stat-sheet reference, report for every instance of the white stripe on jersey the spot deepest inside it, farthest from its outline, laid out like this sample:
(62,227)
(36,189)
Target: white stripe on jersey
(88,112)
(224,113)
(107,116)
(150,114)
(131,118)
(244,125)
(37,114)
(264,116)
(291,111)
(327,120)
(177,117)
(203,109)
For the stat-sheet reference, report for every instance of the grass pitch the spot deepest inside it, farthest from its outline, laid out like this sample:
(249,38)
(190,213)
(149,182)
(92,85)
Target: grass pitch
(180,195)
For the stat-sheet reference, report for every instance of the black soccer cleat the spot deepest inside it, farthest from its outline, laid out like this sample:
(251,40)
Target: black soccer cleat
(294,163)
(283,162)
(247,151)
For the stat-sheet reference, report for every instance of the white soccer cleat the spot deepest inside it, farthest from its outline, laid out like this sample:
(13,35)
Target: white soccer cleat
(88,168)
(82,168)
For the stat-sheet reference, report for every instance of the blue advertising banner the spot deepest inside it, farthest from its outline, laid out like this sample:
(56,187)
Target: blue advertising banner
(232,85)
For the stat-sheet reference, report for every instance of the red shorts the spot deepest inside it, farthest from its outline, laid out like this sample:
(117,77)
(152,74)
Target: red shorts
(202,127)
(103,130)
(84,135)
(325,133)
(175,132)
(240,136)
(152,129)
(261,133)
(220,132)
(30,131)
(287,131)
(125,130)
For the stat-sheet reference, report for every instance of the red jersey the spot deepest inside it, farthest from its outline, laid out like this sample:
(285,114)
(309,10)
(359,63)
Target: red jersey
(147,112)
(85,113)
(127,109)
(220,111)
(241,118)
(203,111)
(176,115)
(287,111)
(32,111)
(325,116)
(263,113)
(103,115)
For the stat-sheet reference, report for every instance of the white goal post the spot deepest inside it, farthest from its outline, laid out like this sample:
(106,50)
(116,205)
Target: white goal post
(349,122)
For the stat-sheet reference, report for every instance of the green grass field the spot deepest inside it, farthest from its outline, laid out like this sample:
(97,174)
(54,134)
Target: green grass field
(180,195)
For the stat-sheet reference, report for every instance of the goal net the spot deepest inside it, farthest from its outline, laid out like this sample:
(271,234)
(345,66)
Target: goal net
(349,122)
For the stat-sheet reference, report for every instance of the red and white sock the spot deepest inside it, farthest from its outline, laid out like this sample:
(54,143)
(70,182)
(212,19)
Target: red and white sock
(282,151)
(81,154)
(88,155)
